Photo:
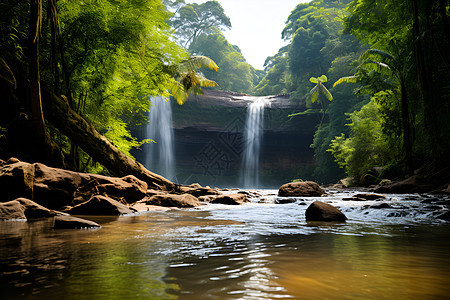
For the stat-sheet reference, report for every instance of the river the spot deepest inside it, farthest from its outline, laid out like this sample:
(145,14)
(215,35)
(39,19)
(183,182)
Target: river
(259,250)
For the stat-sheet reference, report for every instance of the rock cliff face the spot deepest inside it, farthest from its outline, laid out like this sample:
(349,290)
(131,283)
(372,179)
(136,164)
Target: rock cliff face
(209,139)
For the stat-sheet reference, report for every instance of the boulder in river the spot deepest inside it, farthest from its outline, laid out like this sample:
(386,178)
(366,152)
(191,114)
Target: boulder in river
(380,206)
(231,199)
(323,212)
(172,200)
(70,222)
(365,197)
(55,188)
(101,206)
(370,196)
(22,208)
(127,188)
(300,189)
(196,190)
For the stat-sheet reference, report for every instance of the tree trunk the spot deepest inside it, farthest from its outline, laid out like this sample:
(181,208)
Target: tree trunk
(44,149)
(37,117)
(406,130)
(426,86)
(59,113)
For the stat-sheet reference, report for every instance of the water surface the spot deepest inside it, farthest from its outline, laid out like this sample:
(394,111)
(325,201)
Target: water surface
(255,251)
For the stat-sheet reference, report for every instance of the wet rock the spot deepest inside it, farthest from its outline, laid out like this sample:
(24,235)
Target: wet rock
(231,199)
(413,184)
(369,196)
(285,200)
(432,207)
(16,180)
(196,190)
(172,200)
(150,193)
(101,206)
(69,222)
(398,214)
(12,210)
(55,188)
(323,212)
(300,189)
(22,208)
(353,199)
(427,201)
(204,192)
(445,216)
(380,206)
(128,188)
(206,199)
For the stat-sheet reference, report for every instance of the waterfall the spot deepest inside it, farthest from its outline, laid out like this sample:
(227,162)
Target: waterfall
(254,128)
(159,157)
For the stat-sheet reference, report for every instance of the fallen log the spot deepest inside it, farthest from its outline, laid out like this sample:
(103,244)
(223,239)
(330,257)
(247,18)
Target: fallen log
(58,112)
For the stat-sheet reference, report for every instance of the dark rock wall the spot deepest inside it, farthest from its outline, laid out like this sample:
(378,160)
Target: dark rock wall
(209,140)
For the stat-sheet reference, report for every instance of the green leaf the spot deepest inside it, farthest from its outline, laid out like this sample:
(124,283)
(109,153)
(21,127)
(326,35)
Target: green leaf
(314,94)
(313,80)
(322,78)
(348,79)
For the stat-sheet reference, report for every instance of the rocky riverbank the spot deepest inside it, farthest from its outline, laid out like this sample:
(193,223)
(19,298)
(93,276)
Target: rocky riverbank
(33,191)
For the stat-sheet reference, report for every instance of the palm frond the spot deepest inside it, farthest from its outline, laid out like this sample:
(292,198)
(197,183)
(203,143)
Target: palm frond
(324,91)
(347,79)
(306,112)
(372,65)
(6,73)
(198,61)
(380,56)
(322,78)
(314,94)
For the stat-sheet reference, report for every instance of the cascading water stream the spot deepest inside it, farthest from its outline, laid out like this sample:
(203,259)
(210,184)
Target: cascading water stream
(159,157)
(254,128)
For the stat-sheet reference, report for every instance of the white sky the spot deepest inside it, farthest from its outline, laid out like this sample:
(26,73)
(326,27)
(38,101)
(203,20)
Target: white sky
(256,26)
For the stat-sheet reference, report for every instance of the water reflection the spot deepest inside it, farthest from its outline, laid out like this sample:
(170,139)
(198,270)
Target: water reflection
(258,251)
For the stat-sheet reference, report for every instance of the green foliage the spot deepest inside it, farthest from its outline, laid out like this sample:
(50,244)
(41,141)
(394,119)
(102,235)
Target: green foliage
(234,73)
(190,82)
(192,20)
(315,33)
(366,147)
(277,78)
(318,93)
(116,53)
(417,34)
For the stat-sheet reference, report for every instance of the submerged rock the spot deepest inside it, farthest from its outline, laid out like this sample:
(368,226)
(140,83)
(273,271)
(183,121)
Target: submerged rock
(172,200)
(300,189)
(285,200)
(323,212)
(364,197)
(369,196)
(69,222)
(445,216)
(101,206)
(380,206)
(231,199)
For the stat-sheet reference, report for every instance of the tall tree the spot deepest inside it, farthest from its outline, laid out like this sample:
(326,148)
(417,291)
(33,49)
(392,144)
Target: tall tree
(194,19)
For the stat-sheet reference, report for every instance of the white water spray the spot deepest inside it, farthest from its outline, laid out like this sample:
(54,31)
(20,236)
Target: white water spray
(159,157)
(254,129)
